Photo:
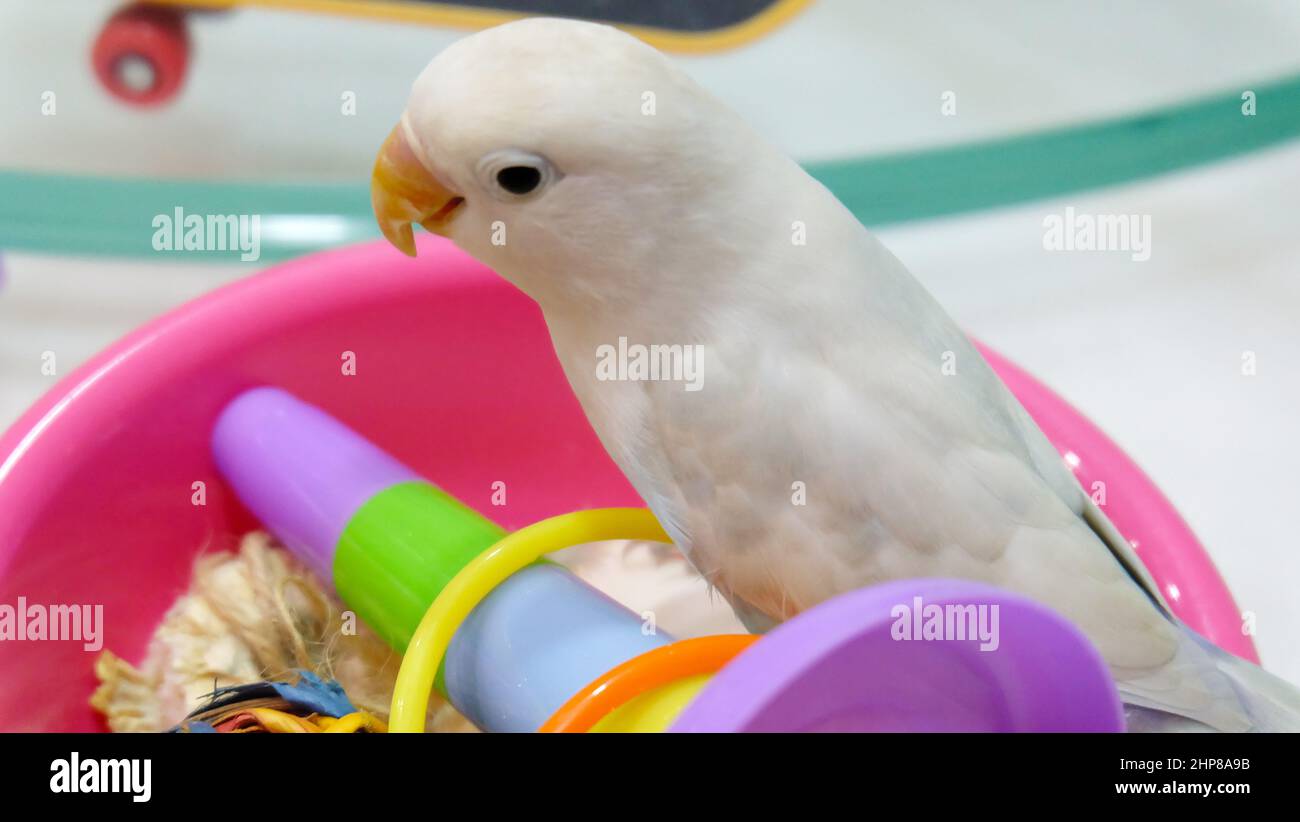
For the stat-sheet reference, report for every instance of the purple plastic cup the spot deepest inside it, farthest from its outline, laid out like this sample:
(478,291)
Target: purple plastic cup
(875,660)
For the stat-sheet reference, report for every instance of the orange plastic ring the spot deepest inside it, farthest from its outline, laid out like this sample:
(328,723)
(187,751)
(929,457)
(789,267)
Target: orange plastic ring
(644,673)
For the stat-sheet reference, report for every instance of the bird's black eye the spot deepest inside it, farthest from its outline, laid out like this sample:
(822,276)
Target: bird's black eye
(519,179)
(512,175)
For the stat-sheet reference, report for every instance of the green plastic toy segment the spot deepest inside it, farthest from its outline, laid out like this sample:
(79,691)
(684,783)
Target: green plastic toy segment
(45,212)
(400,550)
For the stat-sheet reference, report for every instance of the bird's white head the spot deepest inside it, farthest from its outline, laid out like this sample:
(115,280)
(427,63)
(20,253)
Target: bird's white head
(556,151)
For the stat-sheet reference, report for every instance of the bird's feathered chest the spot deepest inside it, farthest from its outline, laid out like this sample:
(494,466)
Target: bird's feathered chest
(808,464)
(810,422)
(838,430)
(844,432)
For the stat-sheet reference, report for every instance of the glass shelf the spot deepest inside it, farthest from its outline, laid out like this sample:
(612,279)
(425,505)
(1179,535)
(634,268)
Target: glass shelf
(105,215)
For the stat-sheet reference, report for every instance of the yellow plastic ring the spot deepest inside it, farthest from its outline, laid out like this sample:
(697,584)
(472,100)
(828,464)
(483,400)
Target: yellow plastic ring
(485,572)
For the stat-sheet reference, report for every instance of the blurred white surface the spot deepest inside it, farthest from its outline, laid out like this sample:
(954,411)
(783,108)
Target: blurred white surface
(844,77)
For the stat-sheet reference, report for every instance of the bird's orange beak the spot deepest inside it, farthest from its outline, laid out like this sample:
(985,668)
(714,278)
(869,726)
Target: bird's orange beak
(404,192)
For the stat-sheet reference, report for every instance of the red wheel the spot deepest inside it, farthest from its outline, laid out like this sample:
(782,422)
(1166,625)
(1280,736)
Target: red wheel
(142,54)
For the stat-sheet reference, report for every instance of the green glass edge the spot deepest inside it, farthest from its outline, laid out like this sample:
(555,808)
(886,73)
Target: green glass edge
(109,216)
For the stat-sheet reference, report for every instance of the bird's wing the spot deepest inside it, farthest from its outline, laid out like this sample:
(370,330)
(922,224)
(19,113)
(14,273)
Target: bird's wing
(909,472)
(1047,462)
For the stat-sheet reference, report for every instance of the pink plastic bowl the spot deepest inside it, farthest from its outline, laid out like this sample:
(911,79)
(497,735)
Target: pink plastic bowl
(454,373)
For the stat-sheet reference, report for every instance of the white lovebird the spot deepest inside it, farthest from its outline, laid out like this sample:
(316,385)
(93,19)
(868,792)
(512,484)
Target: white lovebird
(827,447)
